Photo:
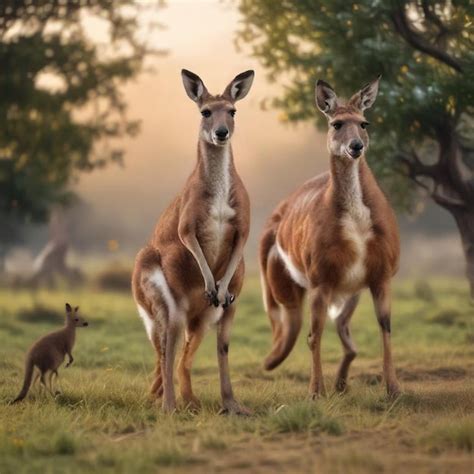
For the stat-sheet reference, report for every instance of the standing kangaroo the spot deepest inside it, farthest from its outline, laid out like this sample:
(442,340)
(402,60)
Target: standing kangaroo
(48,353)
(333,237)
(192,269)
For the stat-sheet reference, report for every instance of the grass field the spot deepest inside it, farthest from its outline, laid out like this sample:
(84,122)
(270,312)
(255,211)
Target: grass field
(103,422)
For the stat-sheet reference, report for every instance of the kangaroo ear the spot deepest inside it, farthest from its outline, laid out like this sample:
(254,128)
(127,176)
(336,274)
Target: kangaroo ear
(68,308)
(365,98)
(239,87)
(76,309)
(326,98)
(193,85)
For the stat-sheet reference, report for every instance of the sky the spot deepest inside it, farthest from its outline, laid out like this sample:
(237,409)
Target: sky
(269,155)
(123,203)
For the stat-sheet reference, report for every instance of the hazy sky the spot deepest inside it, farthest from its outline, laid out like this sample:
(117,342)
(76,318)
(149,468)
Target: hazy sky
(272,158)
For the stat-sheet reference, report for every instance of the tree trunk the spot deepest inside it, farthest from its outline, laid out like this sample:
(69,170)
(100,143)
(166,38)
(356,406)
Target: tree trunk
(453,189)
(465,222)
(3,255)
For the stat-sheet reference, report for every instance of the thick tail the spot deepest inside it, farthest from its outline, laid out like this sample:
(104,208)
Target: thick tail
(285,321)
(267,242)
(290,328)
(27,381)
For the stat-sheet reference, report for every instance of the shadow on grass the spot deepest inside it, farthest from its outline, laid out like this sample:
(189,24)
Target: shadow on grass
(40,315)
(11,329)
(96,401)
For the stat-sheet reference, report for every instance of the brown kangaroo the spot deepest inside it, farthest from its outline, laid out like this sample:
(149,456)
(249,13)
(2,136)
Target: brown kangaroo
(333,237)
(192,269)
(48,353)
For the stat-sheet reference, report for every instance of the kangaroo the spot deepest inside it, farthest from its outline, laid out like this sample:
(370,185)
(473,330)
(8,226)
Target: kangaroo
(48,353)
(333,237)
(192,270)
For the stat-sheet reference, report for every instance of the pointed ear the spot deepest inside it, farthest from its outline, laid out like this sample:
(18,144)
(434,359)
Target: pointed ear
(68,308)
(326,98)
(193,85)
(239,87)
(365,98)
(76,309)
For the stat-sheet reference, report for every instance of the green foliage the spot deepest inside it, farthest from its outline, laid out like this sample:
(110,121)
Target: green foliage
(61,96)
(424,89)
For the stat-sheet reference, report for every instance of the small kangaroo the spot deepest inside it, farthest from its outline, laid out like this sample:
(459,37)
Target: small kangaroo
(48,353)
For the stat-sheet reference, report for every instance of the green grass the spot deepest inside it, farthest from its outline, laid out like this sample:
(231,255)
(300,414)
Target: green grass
(104,422)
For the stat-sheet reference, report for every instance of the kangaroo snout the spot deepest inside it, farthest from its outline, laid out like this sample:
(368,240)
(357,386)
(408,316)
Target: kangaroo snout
(222,133)
(355,148)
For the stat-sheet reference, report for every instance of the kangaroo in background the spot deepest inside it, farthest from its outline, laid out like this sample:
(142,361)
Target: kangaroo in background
(48,353)
(333,237)
(192,270)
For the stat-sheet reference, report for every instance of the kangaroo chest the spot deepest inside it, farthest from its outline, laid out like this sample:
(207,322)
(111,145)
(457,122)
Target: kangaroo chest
(355,227)
(217,225)
(219,212)
(356,231)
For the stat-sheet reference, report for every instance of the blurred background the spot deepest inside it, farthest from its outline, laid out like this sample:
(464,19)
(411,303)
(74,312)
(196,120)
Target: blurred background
(97,134)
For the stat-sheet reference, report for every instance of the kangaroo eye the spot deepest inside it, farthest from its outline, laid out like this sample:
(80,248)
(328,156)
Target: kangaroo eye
(76,319)
(232,112)
(364,124)
(337,125)
(206,113)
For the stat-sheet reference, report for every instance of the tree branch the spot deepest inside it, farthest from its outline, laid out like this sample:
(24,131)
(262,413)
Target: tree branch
(455,171)
(446,200)
(418,42)
(411,174)
(433,18)
(416,167)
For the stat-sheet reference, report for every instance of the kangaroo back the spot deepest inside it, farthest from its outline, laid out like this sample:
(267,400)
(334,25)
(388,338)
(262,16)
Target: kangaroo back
(27,381)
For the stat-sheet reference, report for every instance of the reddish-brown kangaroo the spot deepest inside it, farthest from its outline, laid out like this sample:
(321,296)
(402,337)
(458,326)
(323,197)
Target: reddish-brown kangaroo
(192,269)
(48,353)
(333,237)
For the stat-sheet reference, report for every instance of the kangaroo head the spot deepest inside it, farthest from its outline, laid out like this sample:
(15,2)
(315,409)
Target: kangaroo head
(347,134)
(73,318)
(218,111)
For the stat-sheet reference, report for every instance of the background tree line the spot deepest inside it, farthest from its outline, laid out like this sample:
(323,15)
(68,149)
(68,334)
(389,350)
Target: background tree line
(422,133)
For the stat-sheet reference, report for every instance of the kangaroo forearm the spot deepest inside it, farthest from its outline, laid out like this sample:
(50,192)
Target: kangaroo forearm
(192,244)
(234,262)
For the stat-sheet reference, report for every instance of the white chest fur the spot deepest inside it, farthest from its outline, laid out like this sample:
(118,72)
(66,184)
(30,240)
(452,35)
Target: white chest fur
(356,225)
(220,211)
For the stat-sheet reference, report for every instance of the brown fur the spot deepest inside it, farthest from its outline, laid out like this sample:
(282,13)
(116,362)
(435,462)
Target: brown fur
(48,353)
(197,246)
(311,228)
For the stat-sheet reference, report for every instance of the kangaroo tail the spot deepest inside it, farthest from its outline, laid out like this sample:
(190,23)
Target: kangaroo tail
(27,381)
(266,244)
(285,320)
(282,346)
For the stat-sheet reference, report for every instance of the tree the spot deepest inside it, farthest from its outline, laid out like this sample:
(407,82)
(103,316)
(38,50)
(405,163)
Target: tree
(60,99)
(422,137)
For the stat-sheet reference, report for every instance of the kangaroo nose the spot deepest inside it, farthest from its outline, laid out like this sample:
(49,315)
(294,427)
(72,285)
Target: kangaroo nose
(356,145)
(222,133)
